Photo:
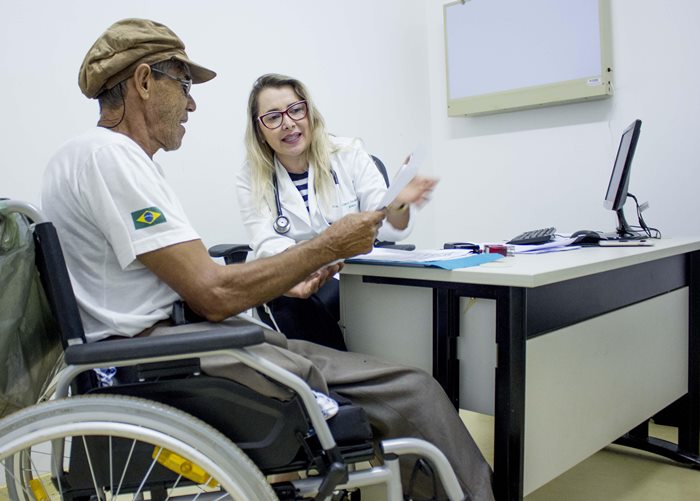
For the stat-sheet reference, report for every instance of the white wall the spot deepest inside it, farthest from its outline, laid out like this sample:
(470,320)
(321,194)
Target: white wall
(365,63)
(502,174)
(376,69)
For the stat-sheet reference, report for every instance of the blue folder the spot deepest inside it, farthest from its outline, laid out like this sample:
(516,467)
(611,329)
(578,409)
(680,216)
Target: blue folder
(445,264)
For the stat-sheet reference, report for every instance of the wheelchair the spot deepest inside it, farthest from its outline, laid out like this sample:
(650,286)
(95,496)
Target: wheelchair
(164,430)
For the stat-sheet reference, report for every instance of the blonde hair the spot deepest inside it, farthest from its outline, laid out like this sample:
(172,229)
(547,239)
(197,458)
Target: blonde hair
(261,156)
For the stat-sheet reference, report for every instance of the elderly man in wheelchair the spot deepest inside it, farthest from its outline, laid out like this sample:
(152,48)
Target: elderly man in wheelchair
(157,402)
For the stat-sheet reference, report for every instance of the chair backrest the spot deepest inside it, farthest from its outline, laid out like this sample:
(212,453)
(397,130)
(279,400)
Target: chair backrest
(382,169)
(56,283)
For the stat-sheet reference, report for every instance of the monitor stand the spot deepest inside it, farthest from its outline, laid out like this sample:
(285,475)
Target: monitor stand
(624,231)
(628,236)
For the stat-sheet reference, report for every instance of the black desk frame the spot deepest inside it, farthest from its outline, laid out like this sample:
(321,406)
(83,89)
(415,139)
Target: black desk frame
(524,313)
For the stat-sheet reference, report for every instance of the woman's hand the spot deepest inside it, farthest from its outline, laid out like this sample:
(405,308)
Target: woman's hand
(416,192)
(314,282)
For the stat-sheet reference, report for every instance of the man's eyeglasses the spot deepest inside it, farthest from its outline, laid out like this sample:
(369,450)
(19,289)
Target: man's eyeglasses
(273,119)
(186,84)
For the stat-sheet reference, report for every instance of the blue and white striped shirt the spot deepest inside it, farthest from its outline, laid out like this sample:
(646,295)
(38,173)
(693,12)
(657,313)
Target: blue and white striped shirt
(301,181)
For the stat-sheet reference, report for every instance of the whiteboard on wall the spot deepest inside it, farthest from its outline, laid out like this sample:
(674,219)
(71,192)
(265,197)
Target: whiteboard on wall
(505,55)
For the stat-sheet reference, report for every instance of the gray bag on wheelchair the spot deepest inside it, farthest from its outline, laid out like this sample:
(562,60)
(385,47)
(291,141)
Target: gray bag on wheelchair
(30,347)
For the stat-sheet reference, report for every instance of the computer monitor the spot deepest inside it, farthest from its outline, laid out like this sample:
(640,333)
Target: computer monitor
(616,195)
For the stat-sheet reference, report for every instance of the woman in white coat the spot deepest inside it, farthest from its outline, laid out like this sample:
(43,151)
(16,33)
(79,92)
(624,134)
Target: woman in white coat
(298,180)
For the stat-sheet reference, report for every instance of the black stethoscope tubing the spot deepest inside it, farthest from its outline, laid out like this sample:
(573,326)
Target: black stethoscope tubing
(281,224)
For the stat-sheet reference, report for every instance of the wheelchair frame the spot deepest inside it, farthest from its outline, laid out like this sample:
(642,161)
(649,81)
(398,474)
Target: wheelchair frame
(177,431)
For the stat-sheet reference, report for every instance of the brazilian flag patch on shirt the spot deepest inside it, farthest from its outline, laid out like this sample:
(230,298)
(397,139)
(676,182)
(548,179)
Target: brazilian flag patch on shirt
(149,216)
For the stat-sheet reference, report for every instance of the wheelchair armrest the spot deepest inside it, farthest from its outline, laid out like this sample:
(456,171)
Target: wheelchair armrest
(232,253)
(220,338)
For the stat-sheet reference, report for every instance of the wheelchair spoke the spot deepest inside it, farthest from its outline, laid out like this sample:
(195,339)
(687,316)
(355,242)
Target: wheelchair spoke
(92,471)
(148,473)
(58,469)
(111,469)
(172,489)
(35,470)
(126,466)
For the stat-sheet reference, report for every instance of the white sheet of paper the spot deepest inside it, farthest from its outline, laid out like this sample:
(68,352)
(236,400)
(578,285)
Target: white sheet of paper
(558,244)
(418,255)
(407,172)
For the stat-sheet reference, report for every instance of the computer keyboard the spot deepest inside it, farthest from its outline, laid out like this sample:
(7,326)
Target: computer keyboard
(534,237)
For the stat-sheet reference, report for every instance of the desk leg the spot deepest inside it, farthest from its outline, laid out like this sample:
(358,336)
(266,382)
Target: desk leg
(689,425)
(445,334)
(510,394)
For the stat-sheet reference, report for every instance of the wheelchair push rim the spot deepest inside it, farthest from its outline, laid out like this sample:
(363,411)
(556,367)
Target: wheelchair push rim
(186,444)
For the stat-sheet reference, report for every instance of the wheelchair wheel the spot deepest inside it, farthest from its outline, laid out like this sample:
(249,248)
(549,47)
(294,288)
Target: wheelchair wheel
(109,446)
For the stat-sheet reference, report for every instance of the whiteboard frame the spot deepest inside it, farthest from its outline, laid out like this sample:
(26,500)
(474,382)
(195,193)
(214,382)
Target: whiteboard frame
(562,92)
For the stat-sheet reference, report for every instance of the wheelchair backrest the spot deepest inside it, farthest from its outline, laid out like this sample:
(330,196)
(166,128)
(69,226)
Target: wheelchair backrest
(56,282)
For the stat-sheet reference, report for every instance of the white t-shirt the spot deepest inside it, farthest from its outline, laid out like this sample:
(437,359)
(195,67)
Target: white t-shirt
(110,203)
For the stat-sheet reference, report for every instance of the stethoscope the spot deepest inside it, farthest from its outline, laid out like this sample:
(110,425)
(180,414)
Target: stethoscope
(282,224)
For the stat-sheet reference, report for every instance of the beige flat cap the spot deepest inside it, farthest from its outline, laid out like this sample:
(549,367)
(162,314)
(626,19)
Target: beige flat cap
(127,43)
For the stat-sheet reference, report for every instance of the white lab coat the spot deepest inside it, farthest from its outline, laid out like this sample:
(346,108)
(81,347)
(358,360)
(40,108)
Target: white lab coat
(360,187)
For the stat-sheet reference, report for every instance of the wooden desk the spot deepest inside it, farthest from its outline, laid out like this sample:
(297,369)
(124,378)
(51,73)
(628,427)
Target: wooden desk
(607,337)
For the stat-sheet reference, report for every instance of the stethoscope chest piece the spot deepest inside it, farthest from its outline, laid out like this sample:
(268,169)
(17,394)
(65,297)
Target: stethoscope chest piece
(281,224)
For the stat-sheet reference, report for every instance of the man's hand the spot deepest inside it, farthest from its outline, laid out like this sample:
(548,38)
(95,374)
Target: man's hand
(314,282)
(353,234)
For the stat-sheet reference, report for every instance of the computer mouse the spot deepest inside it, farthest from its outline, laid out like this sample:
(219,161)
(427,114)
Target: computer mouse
(586,237)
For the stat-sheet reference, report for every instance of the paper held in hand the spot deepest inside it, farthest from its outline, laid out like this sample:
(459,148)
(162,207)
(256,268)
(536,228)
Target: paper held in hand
(407,172)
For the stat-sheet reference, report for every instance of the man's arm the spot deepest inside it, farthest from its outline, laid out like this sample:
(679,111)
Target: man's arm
(217,292)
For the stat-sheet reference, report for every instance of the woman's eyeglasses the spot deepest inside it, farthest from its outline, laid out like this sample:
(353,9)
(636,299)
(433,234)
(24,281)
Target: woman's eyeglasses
(273,119)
